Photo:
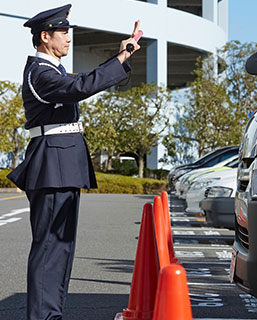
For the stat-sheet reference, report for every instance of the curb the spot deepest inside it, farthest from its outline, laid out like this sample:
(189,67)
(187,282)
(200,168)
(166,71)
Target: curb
(10,190)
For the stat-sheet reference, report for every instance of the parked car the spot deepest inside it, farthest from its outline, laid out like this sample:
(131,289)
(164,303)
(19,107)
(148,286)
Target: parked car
(206,161)
(184,183)
(244,254)
(218,206)
(222,178)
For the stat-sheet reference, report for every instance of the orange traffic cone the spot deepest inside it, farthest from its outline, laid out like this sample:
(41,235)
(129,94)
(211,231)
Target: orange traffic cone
(172,297)
(162,244)
(166,211)
(146,272)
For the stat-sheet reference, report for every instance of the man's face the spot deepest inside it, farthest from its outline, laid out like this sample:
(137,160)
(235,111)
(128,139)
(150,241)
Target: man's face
(58,44)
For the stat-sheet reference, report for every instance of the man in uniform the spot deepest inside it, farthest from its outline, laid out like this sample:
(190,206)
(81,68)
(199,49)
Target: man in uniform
(57,162)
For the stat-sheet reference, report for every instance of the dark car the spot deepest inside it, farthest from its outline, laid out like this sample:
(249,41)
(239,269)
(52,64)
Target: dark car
(218,205)
(243,268)
(218,208)
(207,160)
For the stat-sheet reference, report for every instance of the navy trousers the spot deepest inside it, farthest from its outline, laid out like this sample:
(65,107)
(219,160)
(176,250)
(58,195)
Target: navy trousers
(53,217)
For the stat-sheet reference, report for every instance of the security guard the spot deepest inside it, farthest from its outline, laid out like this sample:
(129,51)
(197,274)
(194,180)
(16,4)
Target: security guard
(57,162)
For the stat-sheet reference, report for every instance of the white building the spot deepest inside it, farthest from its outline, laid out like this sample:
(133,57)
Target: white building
(176,32)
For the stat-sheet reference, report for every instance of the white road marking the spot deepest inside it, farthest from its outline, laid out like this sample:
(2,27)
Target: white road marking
(250,302)
(211,233)
(11,220)
(206,262)
(190,254)
(219,245)
(4,221)
(181,220)
(199,247)
(211,284)
(183,232)
(200,229)
(224,255)
(14,212)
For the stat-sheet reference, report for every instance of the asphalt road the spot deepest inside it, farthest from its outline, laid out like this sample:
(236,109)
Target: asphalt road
(103,266)
(205,253)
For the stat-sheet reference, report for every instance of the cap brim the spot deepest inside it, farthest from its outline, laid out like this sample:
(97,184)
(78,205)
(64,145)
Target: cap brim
(65,27)
(251,64)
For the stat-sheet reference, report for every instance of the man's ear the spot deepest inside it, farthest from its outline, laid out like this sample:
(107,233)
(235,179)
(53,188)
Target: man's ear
(44,36)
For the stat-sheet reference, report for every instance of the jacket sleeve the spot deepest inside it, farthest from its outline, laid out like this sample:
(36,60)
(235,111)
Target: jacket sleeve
(56,88)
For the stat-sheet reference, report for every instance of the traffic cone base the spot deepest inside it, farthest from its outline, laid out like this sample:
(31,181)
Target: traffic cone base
(136,315)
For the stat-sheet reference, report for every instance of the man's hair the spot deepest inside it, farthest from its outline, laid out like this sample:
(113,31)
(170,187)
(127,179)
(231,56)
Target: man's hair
(36,39)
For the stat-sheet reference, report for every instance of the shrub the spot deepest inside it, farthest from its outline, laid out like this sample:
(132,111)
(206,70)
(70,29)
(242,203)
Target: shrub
(160,174)
(125,167)
(112,183)
(4,182)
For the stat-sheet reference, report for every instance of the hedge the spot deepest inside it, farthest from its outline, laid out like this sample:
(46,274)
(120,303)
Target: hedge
(111,183)
(114,183)
(4,182)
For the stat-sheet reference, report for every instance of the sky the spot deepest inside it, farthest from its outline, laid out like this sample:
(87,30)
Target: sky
(242,20)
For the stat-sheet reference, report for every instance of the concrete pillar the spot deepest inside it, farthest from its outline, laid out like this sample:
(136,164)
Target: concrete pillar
(210,10)
(156,72)
(151,61)
(223,14)
(156,62)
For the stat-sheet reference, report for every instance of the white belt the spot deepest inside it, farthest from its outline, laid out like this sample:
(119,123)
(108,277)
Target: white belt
(56,129)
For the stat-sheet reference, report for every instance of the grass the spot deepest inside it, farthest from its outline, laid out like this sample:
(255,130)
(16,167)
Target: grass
(111,183)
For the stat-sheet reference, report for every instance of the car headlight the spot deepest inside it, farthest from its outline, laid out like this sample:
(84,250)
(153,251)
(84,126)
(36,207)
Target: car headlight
(219,192)
(253,186)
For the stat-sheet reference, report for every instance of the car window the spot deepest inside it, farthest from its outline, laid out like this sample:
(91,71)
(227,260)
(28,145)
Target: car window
(221,157)
(214,154)
(212,162)
(228,154)
(206,157)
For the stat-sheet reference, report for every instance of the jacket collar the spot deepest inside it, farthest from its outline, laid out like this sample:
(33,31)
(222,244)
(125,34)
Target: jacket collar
(48,57)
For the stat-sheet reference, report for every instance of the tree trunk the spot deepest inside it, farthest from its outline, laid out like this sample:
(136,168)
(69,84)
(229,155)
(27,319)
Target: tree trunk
(141,166)
(15,158)
(109,163)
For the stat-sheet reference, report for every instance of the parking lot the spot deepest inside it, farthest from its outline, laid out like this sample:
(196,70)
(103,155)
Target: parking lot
(103,266)
(205,253)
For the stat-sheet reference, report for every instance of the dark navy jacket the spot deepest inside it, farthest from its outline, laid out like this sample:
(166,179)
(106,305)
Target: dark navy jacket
(49,97)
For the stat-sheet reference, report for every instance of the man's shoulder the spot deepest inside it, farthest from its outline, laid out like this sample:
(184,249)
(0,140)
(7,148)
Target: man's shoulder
(38,65)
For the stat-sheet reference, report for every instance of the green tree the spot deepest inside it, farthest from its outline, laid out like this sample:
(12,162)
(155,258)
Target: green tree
(241,86)
(150,111)
(104,121)
(12,119)
(127,122)
(216,106)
